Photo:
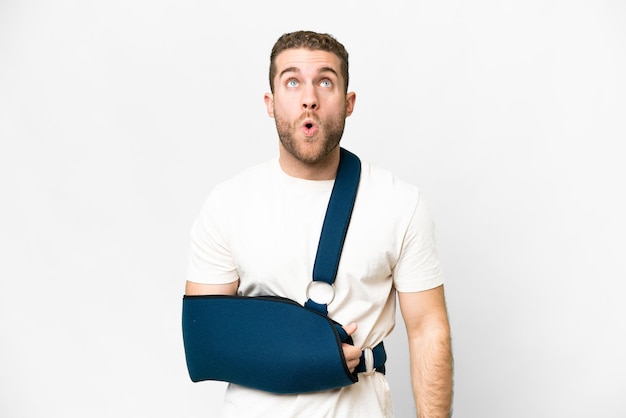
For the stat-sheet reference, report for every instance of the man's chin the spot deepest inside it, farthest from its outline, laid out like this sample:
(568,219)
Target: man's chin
(309,153)
(309,150)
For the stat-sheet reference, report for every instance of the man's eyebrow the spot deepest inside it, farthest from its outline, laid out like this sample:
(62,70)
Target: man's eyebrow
(289,70)
(328,70)
(297,70)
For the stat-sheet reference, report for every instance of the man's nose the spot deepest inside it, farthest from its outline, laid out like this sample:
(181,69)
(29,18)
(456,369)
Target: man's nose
(309,99)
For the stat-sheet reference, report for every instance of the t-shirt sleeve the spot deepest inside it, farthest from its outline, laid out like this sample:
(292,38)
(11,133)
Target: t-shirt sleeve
(418,267)
(210,259)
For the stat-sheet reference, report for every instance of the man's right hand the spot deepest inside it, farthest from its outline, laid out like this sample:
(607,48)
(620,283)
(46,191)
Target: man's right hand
(350,352)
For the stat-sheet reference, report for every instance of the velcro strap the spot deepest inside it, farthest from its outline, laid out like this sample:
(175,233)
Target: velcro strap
(343,335)
(318,307)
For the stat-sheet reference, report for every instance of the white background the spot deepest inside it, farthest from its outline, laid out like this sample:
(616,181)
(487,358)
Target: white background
(118,117)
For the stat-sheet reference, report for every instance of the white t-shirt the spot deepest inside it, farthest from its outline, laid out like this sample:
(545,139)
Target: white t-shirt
(263,226)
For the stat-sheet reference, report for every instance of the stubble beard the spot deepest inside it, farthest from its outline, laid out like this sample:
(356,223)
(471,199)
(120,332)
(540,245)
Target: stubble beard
(311,150)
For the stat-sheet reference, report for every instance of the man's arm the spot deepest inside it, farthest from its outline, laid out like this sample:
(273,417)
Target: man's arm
(192,288)
(351,353)
(428,331)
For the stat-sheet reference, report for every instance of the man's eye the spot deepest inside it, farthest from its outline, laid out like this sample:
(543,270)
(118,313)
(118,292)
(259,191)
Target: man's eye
(292,83)
(326,83)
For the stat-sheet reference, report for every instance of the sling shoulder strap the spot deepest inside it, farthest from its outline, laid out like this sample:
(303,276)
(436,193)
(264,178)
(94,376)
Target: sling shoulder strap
(335,227)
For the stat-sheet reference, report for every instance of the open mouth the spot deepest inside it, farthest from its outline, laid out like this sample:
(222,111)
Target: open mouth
(310,128)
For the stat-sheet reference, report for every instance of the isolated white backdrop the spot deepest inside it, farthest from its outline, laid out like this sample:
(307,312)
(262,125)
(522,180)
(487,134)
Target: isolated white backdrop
(118,117)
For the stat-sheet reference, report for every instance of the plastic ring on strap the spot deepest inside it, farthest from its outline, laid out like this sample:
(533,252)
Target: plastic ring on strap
(320,292)
(368,354)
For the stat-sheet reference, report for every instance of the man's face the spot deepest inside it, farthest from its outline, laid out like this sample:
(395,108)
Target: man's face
(309,103)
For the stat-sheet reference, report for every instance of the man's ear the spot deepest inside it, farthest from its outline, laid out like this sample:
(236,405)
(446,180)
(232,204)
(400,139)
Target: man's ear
(269,104)
(350,100)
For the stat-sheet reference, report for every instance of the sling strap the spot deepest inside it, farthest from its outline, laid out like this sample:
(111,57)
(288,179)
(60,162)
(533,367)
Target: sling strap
(336,221)
(334,230)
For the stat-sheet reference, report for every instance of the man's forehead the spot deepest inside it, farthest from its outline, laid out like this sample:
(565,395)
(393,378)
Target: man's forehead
(297,58)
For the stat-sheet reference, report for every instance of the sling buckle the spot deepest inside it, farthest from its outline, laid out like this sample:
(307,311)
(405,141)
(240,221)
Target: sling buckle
(368,355)
(320,292)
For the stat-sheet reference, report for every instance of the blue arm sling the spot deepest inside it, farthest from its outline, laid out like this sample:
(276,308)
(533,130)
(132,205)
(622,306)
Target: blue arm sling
(271,343)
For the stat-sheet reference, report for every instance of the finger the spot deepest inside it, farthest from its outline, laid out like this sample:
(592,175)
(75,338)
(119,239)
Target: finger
(350,328)
(351,352)
(352,365)
(352,355)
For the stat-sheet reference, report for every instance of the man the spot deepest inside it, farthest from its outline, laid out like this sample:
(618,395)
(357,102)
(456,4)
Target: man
(257,234)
